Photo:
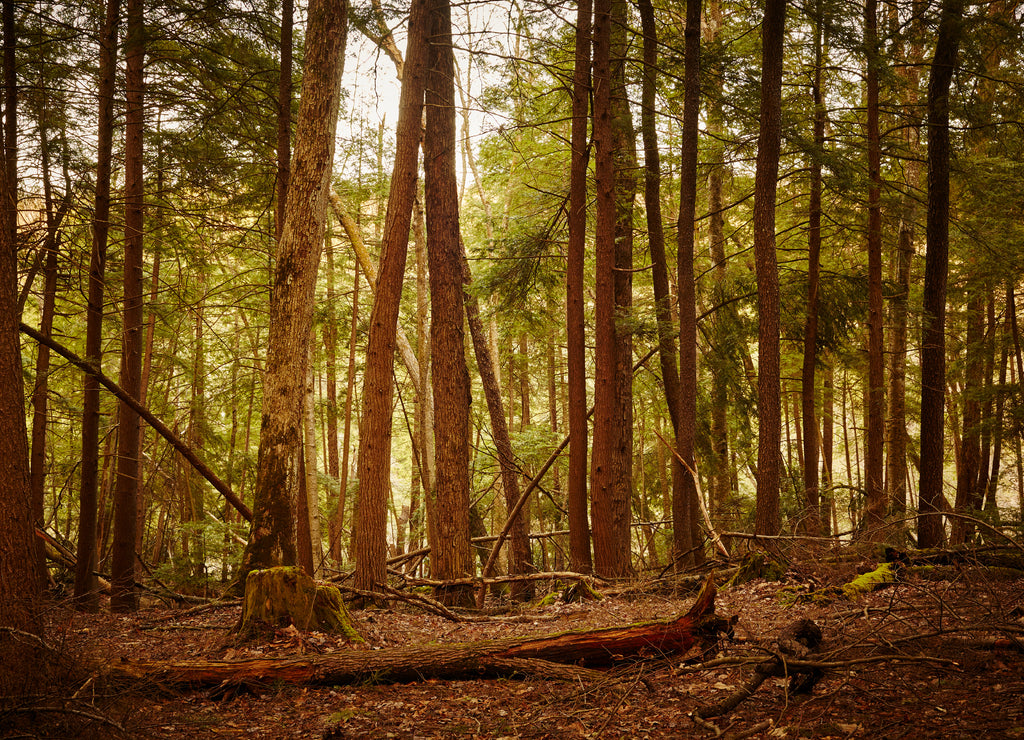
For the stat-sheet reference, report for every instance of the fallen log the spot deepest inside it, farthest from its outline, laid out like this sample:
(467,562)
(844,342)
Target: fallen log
(553,656)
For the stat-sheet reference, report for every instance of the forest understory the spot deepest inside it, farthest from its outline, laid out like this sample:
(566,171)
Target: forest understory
(938,654)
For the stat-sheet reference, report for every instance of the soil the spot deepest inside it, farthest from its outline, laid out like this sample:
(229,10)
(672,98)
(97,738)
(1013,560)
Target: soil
(937,655)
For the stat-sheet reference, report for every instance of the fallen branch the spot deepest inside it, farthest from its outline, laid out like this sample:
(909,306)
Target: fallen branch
(162,429)
(594,648)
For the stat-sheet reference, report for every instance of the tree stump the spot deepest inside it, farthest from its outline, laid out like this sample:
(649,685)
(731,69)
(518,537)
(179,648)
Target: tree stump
(279,597)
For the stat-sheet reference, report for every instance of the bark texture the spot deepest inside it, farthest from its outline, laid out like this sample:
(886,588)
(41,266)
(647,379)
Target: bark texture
(272,540)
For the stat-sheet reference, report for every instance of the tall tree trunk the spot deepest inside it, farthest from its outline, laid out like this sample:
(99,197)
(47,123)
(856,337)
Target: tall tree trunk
(611,461)
(768,520)
(86,588)
(330,332)
(451,557)
(810,522)
(933,341)
(272,540)
(875,511)
(722,511)
(19,586)
(667,355)
(579,529)
(896,417)
(685,509)
(123,596)
(374,459)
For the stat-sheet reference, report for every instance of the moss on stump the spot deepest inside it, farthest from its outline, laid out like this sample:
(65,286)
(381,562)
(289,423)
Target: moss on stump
(279,597)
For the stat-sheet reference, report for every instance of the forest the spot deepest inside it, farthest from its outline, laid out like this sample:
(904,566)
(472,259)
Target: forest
(498,319)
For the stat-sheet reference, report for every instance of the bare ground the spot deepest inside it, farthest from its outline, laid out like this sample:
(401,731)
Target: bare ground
(936,656)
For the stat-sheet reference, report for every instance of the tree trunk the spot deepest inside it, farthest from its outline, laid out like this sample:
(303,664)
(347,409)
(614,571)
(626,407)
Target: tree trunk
(876,509)
(86,590)
(123,597)
(576,494)
(450,552)
(933,341)
(685,511)
(284,118)
(768,519)
(601,647)
(272,541)
(19,586)
(374,459)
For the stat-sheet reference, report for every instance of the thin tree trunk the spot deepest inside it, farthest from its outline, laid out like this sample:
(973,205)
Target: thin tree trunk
(519,557)
(576,494)
(284,117)
(685,511)
(86,587)
(876,509)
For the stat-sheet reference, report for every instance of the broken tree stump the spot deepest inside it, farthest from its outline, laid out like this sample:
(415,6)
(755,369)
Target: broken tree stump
(555,656)
(279,597)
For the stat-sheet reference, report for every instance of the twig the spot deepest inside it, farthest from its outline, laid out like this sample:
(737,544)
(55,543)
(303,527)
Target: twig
(615,709)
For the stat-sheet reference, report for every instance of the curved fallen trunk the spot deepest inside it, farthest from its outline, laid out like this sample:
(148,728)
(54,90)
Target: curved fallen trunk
(564,655)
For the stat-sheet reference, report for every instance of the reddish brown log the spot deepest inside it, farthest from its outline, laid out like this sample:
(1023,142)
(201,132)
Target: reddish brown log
(544,656)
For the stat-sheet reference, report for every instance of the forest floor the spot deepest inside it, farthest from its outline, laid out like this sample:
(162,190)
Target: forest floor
(937,655)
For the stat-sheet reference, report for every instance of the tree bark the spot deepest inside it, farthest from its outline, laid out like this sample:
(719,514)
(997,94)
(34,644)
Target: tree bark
(685,513)
(374,458)
(123,596)
(874,457)
(450,552)
(768,519)
(598,648)
(810,522)
(930,531)
(272,540)
(284,117)
(19,586)
(86,590)
(576,493)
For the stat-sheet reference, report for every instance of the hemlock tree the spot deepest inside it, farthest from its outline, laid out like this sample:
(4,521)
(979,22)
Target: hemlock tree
(369,536)
(930,531)
(769,415)
(86,588)
(19,587)
(450,552)
(123,596)
(272,540)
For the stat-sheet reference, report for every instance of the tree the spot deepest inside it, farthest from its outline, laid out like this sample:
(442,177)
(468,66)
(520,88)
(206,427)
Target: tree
(123,596)
(272,540)
(876,509)
(19,584)
(684,501)
(810,521)
(933,339)
(86,592)
(450,553)
(576,495)
(769,416)
(369,535)
(610,487)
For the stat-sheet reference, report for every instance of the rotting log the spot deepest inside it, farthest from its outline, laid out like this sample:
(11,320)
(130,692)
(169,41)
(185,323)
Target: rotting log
(564,655)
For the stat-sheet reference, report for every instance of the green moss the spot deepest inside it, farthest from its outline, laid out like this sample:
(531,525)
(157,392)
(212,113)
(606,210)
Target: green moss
(279,597)
(881,576)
